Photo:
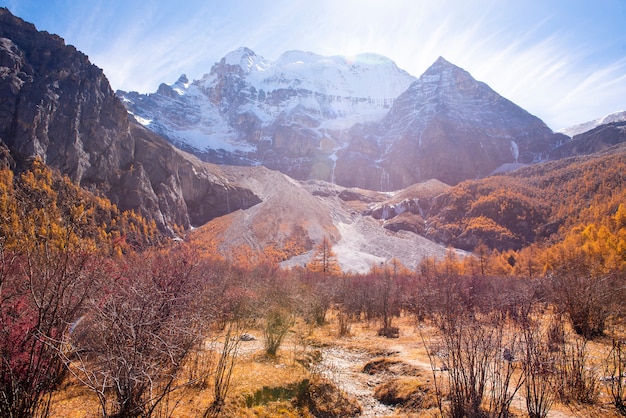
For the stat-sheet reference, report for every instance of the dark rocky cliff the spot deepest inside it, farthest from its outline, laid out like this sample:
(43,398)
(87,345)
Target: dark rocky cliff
(56,105)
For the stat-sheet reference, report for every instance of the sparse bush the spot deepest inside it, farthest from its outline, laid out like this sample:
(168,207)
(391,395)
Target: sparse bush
(344,323)
(538,369)
(586,298)
(504,384)
(616,375)
(577,382)
(389,332)
(133,344)
(479,365)
(224,368)
(556,334)
(278,321)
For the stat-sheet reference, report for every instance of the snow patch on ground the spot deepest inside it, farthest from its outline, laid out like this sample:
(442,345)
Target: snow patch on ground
(143,121)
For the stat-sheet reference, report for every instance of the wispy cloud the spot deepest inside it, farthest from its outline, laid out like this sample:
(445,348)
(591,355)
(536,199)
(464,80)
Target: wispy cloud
(563,61)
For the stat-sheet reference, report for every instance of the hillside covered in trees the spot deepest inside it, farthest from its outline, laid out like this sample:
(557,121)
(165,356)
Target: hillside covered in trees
(533,205)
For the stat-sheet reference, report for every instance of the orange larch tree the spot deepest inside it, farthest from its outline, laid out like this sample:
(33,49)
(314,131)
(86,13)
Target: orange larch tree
(324,259)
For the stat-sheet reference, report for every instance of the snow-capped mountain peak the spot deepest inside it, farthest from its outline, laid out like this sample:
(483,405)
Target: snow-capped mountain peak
(181,85)
(246,100)
(357,120)
(587,126)
(242,57)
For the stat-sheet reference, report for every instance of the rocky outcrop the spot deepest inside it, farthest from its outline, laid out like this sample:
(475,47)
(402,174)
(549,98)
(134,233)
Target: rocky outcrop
(59,107)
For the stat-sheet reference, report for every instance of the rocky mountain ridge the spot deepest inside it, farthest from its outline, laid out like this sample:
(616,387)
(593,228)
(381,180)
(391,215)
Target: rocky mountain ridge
(249,110)
(572,131)
(362,123)
(597,139)
(449,127)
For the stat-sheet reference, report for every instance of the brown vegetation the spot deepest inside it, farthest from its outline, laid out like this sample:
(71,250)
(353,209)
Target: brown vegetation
(133,329)
(536,204)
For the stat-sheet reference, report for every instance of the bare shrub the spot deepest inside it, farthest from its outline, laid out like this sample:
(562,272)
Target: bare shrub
(538,368)
(345,323)
(469,348)
(278,321)
(389,332)
(42,293)
(224,368)
(576,381)
(315,295)
(586,298)
(132,346)
(556,334)
(504,384)
(616,375)
(197,366)
(431,352)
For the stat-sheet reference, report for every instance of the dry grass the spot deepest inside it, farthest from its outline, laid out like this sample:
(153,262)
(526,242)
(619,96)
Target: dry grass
(410,393)
(396,371)
(324,399)
(74,401)
(391,366)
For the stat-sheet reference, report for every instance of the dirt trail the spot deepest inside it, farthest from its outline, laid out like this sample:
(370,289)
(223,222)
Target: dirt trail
(343,367)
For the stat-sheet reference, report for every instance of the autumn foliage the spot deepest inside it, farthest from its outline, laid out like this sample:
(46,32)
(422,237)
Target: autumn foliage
(536,204)
(95,296)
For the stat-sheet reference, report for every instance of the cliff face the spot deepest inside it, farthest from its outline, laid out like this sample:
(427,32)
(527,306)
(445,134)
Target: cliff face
(59,107)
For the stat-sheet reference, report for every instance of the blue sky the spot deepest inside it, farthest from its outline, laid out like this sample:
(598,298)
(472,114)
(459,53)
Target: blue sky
(564,61)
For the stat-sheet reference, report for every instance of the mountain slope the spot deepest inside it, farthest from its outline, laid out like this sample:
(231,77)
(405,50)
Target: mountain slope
(595,140)
(534,204)
(295,216)
(572,131)
(59,107)
(446,126)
